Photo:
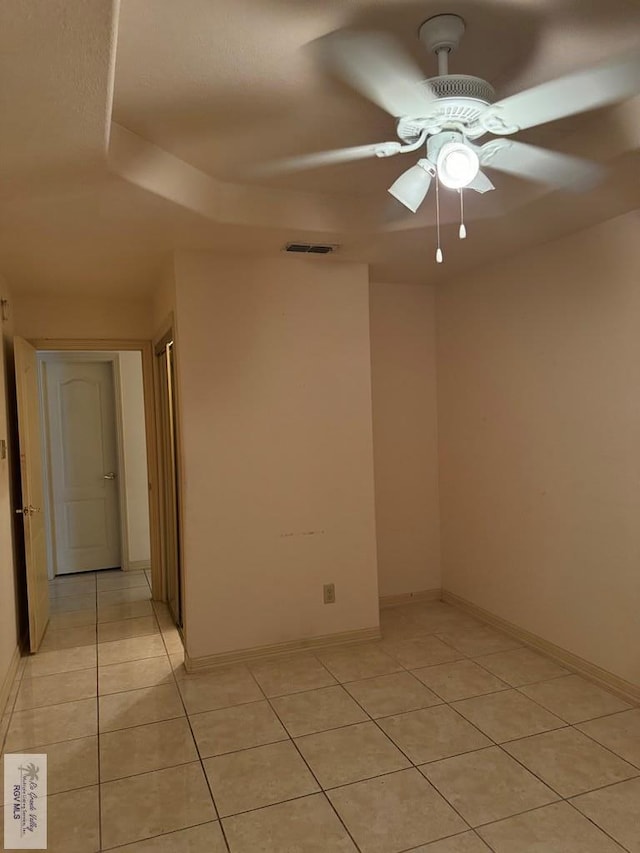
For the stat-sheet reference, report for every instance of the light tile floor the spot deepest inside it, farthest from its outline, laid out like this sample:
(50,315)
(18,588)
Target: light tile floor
(444,737)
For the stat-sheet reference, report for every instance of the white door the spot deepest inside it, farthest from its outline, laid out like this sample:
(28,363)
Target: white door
(83,464)
(32,491)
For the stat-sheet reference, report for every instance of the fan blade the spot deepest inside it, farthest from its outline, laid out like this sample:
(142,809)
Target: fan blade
(326,158)
(539,164)
(481,184)
(585,90)
(412,186)
(376,66)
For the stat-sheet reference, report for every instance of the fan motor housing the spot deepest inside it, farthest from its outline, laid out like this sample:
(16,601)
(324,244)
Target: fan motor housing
(461,99)
(462,86)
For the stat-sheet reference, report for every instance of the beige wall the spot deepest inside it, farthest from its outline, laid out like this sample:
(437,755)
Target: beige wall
(8,616)
(405,440)
(274,370)
(163,300)
(82,317)
(539,423)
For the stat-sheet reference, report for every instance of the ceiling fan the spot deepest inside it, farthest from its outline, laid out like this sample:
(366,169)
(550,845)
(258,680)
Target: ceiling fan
(445,115)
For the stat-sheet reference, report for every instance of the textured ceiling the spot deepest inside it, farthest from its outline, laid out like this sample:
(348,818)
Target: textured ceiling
(204,89)
(56,83)
(226,84)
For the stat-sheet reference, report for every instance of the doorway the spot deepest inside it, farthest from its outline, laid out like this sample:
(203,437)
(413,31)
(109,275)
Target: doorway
(168,458)
(33,499)
(95,466)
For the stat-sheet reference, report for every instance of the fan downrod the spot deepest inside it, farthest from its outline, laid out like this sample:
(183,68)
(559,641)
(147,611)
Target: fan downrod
(441,35)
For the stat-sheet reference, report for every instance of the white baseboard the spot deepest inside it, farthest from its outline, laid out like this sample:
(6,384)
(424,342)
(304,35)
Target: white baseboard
(362,635)
(410,597)
(625,689)
(138,565)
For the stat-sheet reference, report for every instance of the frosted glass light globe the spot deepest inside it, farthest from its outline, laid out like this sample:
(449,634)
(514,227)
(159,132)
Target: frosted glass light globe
(457,165)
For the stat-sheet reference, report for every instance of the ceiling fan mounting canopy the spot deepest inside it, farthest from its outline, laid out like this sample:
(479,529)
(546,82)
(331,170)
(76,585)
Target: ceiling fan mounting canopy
(442,32)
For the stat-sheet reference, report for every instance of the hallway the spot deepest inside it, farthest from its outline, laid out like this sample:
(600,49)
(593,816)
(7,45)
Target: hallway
(446,729)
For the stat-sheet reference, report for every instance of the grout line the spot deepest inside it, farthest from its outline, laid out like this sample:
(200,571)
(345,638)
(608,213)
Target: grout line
(575,722)
(195,742)
(604,787)
(152,633)
(493,849)
(154,837)
(297,748)
(519,814)
(443,838)
(540,808)
(409,759)
(289,737)
(57,704)
(561,798)
(526,683)
(23,670)
(462,698)
(553,713)
(152,770)
(374,720)
(242,748)
(482,841)
(390,739)
(535,734)
(60,672)
(574,727)
(499,745)
(608,748)
(142,725)
(130,660)
(597,826)
(272,805)
(186,717)
(122,618)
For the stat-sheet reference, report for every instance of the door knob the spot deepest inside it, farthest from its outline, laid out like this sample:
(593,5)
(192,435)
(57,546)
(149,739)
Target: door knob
(28,510)
(110,476)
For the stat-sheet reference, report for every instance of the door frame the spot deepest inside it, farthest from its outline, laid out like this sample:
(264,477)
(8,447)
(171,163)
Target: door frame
(101,357)
(145,348)
(31,489)
(165,330)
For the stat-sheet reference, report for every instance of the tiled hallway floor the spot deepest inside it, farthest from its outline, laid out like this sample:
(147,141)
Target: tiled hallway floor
(445,737)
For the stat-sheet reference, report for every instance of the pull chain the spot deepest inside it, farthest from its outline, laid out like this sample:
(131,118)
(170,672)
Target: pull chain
(439,257)
(462,233)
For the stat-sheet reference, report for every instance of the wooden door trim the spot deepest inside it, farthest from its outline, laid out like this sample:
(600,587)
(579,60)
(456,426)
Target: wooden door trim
(30,465)
(165,333)
(145,347)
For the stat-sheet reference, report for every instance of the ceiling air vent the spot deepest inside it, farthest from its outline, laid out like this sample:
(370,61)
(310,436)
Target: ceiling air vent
(310,248)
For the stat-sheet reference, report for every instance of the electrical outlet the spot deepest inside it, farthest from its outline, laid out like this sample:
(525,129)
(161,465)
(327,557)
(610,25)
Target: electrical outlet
(329,593)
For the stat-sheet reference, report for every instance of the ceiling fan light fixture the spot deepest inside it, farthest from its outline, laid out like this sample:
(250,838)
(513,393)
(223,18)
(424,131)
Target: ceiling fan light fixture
(457,164)
(413,185)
